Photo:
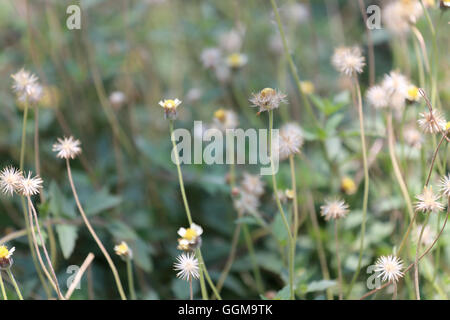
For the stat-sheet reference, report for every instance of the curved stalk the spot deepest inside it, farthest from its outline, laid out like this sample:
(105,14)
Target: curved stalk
(13,280)
(94,235)
(130,278)
(2,286)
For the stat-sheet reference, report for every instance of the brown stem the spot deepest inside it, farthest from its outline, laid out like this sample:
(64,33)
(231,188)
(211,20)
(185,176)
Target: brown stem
(94,235)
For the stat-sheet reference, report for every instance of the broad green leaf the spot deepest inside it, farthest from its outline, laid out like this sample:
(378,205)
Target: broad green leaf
(67,235)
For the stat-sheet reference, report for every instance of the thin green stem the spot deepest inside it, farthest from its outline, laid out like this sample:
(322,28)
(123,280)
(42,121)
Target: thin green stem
(366,184)
(208,278)
(13,280)
(94,234)
(416,260)
(130,278)
(292,66)
(254,261)
(5,297)
(338,258)
(280,208)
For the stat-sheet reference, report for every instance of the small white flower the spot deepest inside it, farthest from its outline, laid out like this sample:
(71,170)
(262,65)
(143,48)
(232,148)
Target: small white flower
(348,61)
(377,97)
(431,122)
(188,267)
(445,186)
(231,41)
(10,178)
(412,137)
(267,99)
(170,108)
(33,93)
(428,201)
(117,99)
(30,186)
(67,148)
(236,60)
(334,209)
(192,233)
(396,86)
(123,250)
(225,119)
(390,268)
(6,253)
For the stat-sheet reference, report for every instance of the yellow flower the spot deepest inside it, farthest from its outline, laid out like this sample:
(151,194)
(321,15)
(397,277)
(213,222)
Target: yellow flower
(413,93)
(220,115)
(289,193)
(123,250)
(5,253)
(307,87)
(191,234)
(348,185)
(170,108)
(447,126)
(236,60)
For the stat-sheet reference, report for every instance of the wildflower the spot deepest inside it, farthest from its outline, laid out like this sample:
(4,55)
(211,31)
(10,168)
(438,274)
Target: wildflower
(190,237)
(10,179)
(29,186)
(431,122)
(290,141)
(289,193)
(348,61)
(334,209)
(117,99)
(67,148)
(231,41)
(428,235)
(428,201)
(348,185)
(211,57)
(170,108)
(123,250)
(267,99)
(253,184)
(396,86)
(296,13)
(398,16)
(22,81)
(412,94)
(194,95)
(412,137)
(236,60)
(225,119)
(307,87)
(247,202)
(445,186)
(377,97)
(34,93)
(188,267)
(390,268)
(6,257)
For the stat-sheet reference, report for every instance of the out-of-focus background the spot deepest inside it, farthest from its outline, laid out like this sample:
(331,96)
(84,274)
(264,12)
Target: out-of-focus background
(102,84)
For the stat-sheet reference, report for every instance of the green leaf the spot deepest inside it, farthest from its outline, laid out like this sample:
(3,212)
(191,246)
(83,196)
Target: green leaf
(283,294)
(279,230)
(320,285)
(101,201)
(67,235)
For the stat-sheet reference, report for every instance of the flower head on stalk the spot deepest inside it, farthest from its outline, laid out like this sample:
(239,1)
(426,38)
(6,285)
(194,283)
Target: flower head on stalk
(10,179)
(23,80)
(390,268)
(377,97)
(334,209)
(348,185)
(67,148)
(290,141)
(30,186)
(6,260)
(428,201)
(170,108)
(225,119)
(253,184)
(236,60)
(348,60)
(123,250)
(187,266)
(432,121)
(190,237)
(267,99)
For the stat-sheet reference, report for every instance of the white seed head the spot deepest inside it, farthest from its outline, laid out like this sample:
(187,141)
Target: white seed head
(187,267)
(290,141)
(413,137)
(253,184)
(428,201)
(377,97)
(348,61)
(10,179)
(445,186)
(334,209)
(432,122)
(267,99)
(22,81)
(390,268)
(30,186)
(67,148)
(247,202)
